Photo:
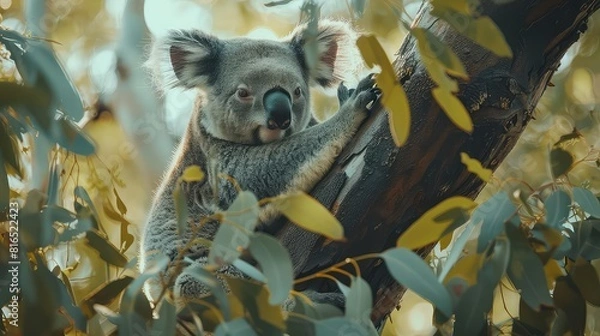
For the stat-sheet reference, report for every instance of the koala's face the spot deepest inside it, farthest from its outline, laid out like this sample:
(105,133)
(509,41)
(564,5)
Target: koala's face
(260,94)
(257,91)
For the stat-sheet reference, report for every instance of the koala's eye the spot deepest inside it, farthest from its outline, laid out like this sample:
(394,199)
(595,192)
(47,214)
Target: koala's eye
(297,92)
(243,93)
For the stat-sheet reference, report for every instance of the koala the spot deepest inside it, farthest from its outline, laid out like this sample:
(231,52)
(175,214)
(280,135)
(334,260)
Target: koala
(252,121)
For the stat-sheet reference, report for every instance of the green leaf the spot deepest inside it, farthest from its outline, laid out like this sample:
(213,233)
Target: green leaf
(72,137)
(493,213)
(557,207)
(309,214)
(108,252)
(275,262)
(12,94)
(104,295)
(496,264)
(472,308)
(80,192)
(412,272)
(358,7)
(238,223)
(476,302)
(585,240)
(341,326)
(299,325)
(9,147)
(208,279)
(39,59)
(586,278)
(560,162)
(526,270)
(571,308)
(540,321)
(249,270)
(264,318)
(235,327)
(130,297)
(167,320)
(359,302)
(587,201)
(457,250)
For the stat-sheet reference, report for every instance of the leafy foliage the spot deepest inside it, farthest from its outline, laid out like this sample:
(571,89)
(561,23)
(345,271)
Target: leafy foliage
(541,241)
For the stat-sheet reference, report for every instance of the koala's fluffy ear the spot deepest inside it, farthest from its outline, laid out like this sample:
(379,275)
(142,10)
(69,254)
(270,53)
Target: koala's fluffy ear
(185,58)
(337,54)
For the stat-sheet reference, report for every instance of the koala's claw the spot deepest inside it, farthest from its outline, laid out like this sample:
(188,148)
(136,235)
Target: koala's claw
(343,93)
(366,83)
(364,98)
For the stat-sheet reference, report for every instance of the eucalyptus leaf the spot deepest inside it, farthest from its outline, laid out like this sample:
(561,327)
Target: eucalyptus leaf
(208,279)
(571,305)
(104,295)
(472,309)
(265,318)
(108,252)
(587,201)
(235,327)
(412,272)
(493,214)
(167,320)
(249,270)
(526,270)
(557,207)
(181,209)
(359,302)
(341,326)
(275,262)
(560,162)
(238,223)
(584,275)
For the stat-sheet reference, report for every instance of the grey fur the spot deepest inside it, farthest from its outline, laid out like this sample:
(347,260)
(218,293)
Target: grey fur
(221,136)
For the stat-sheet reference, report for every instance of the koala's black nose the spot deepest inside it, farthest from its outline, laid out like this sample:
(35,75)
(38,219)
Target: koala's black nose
(278,106)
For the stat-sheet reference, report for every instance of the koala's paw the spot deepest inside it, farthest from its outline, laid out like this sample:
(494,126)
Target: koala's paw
(365,98)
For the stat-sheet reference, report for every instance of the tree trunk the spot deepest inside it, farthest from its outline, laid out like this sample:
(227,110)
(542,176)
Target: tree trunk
(377,190)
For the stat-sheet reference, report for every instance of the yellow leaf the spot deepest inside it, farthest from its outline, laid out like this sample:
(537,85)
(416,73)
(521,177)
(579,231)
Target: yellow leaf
(553,271)
(431,47)
(446,240)
(487,34)
(309,214)
(192,174)
(481,30)
(466,268)
(461,6)
(454,108)
(427,230)
(438,75)
(394,97)
(475,167)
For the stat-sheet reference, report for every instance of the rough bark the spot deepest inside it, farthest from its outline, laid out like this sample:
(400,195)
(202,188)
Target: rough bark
(378,190)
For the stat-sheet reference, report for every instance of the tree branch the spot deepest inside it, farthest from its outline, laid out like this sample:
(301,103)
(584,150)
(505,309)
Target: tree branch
(377,190)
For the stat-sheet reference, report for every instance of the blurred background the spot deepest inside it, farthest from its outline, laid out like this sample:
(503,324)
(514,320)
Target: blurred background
(102,45)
